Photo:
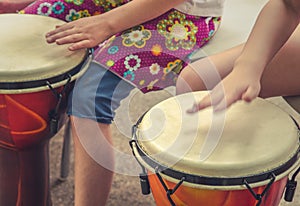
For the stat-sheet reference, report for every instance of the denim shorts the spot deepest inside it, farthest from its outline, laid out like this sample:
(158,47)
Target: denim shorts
(97,94)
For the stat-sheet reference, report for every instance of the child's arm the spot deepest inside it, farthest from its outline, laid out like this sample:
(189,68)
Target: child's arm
(274,26)
(12,6)
(138,12)
(89,32)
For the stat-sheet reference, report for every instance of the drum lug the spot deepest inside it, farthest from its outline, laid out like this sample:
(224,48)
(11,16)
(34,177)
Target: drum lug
(259,197)
(291,187)
(144,181)
(53,125)
(54,117)
(145,186)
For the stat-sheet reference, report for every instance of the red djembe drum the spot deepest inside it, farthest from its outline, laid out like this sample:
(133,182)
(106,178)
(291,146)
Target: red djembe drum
(35,79)
(242,157)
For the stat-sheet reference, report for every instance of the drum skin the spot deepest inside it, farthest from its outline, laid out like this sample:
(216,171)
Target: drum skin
(188,196)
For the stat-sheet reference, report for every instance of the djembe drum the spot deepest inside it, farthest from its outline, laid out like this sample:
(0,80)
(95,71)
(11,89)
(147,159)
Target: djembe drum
(241,157)
(35,79)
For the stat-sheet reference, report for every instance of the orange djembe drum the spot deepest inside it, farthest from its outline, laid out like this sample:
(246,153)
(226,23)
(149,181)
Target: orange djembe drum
(241,157)
(35,79)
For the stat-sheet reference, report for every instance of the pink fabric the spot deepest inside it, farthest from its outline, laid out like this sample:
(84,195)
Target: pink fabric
(150,55)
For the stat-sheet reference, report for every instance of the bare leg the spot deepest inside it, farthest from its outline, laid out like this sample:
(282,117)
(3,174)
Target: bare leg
(280,78)
(92,178)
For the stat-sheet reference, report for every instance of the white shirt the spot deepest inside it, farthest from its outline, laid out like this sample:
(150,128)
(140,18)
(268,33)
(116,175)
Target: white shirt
(202,7)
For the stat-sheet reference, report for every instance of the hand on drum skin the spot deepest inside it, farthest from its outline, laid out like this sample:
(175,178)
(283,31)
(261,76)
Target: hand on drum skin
(87,32)
(238,85)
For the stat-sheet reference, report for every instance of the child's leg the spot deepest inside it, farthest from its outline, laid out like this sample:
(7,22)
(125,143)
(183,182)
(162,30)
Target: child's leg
(280,78)
(92,179)
(95,97)
(94,168)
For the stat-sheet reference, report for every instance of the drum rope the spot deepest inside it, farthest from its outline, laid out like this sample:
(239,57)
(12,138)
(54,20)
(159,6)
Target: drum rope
(295,174)
(291,187)
(134,139)
(53,114)
(260,196)
(168,191)
(144,181)
(292,183)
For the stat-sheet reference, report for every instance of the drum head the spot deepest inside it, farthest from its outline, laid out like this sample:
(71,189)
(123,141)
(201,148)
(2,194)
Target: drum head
(248,139)
(25,54)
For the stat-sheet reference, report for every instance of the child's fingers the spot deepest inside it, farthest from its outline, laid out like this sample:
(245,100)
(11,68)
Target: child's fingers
(66,36)
(222,105)
(73,38)
(250,94)
(57,29)
(194,109)
(205,102)
(80,45)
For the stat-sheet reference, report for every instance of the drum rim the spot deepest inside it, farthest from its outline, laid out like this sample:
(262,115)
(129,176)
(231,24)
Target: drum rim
(206,180)
(215,181)
(42,84)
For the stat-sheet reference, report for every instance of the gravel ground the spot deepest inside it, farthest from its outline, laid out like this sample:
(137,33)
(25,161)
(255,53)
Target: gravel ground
(126,189)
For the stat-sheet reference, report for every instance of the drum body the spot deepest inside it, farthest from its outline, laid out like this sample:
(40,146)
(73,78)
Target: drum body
(242,156)
(187,195)
(35,80)
(25,118)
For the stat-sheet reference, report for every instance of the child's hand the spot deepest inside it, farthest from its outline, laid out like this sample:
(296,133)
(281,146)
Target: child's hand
(240,84)
(83,33)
